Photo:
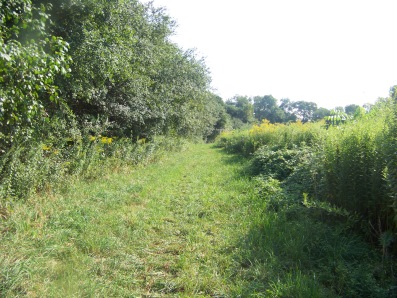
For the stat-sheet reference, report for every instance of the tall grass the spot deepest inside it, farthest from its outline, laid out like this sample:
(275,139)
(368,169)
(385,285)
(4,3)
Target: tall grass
(305,250)
(354,163)
(36,165)
(347,166)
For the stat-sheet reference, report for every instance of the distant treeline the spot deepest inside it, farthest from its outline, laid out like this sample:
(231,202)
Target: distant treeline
(248,110)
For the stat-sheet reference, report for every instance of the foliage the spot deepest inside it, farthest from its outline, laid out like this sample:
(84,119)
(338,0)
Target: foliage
(247,142)
(124,81)
(29,61)
(287,106)
(349,166)
(125,69)
(266,107)
(336,117)
(390,145)
(321,113)
(354,163)
(304,110)
(295,248)
(351,109)
(68,153)
(278,162)
(240,108)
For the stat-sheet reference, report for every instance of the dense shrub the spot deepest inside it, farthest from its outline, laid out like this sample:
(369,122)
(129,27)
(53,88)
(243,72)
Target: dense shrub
(354,165)
(278,162)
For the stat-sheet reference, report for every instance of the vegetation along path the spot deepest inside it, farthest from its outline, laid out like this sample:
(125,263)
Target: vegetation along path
(170,229)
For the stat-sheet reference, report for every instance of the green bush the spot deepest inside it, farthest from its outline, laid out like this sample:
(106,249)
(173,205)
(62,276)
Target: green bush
(278,162)
(354,163)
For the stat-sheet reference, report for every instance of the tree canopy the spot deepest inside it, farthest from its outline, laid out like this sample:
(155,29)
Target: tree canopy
(121,65)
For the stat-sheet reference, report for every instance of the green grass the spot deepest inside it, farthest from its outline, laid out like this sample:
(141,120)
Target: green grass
(190,225)
(158,230)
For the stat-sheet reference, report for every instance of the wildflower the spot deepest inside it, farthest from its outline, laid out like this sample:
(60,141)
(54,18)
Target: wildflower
(106,140)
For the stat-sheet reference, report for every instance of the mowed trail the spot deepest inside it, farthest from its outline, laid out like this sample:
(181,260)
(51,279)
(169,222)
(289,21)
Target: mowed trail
(192,213)
(170,229)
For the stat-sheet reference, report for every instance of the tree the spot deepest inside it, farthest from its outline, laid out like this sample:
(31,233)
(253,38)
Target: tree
(351,109)
(127,71)
(390,145)
(321,113)
(30,59)
(266,107)
(241,108)
(287,106)
(304,110)
(339,109)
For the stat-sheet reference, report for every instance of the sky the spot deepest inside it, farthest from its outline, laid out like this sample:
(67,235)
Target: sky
(331,52)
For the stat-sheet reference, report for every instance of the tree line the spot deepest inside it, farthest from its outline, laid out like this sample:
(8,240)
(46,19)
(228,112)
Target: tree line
(90,61)
(247,110)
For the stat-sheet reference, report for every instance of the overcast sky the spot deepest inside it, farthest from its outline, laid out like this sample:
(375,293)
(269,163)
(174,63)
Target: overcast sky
(331,52)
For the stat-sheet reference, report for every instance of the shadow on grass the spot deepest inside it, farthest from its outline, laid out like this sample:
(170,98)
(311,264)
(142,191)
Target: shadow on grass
(290,254)
(244,163)
(290,250)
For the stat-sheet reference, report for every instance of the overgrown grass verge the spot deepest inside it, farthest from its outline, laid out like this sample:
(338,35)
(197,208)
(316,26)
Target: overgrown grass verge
(351,166)
(300,249)
(31,167)
(326,225)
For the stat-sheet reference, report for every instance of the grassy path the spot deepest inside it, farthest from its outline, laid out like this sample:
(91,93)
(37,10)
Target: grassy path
(168,230)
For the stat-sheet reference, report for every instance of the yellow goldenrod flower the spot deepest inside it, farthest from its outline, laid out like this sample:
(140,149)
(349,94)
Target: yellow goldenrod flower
(106,140)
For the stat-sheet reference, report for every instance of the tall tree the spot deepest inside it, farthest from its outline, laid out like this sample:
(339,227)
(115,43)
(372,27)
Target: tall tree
(266,107)
(321,113)
(288,108)
(241,108)
(304,110)
(125,68)
(351,109)
(390,146)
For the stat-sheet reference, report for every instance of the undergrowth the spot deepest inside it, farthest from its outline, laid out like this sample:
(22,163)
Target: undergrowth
(61,155)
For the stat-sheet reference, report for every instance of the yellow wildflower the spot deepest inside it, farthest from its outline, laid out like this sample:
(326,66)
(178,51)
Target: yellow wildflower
(106,140)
